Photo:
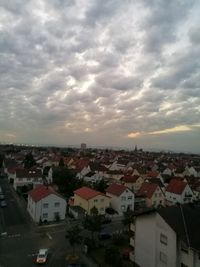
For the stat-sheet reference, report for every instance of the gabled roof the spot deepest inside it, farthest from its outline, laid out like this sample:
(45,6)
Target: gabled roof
(129,178)
(176,186)
(152,174)
(87,193)
(185,221)
(147,189)
(41,192)
(116,189)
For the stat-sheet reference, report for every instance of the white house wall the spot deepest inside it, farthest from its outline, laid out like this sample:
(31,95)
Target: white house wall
(147,242)
(174,198)
(117,202)
(37,210)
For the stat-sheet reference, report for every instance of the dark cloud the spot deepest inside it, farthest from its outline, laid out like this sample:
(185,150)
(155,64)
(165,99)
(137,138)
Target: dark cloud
(162,21)
(97,70)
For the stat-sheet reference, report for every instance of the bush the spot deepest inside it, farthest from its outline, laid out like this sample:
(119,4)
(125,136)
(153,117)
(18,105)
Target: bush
(112,257)
(118,239)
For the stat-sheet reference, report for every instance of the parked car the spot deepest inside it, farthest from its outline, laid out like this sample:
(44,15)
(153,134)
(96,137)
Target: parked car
(105,234)
(2,197)
(42,256)
(3,203)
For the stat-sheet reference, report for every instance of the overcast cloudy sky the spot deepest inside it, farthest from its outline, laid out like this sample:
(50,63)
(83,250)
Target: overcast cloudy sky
(102,72)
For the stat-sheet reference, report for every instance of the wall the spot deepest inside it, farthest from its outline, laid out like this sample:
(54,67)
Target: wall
(147,242)
(37,210)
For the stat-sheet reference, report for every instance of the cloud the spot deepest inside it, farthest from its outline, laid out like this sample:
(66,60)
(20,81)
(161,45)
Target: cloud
(97,71)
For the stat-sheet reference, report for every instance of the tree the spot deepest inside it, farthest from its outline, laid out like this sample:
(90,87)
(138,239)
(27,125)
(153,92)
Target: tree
(128,217)
(74,237)
(94,211)
(61,163)
(29,161)
(93,223)
(112,256)
(66,180)
(100,186)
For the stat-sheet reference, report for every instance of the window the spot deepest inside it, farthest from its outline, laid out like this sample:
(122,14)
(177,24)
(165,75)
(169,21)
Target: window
(163,239)
(57,204)
(123,198)
(95,200)
(45,215)
(160,194)
(45,205)
(123,207)
(163,257)
(102,200)
(155,194)
(129,197)
(56,215)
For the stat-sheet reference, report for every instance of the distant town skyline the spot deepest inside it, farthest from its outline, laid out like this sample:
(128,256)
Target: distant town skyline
(105,73)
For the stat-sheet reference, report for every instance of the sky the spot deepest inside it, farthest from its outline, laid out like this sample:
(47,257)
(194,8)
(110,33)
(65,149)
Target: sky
(106,73)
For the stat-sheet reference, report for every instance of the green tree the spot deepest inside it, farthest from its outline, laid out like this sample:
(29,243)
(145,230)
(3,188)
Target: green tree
(100,186)
(93,223)
(112,256)
(94,211)
(29,161)
(128,217)
(61,163)
(74,236)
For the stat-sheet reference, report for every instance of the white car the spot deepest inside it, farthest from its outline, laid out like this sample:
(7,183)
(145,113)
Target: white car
(42,256)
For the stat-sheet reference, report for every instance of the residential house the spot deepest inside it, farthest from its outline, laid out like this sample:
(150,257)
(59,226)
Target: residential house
(190,171)
(178,191)
(121,198)
(27,177)
(119,164)
(114,175)
(153,194)
(45,204)
(133,182)
(88,198)
(168,237)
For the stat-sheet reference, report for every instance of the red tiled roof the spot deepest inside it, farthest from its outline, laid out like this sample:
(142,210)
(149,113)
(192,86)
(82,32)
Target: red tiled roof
(116,189)
(152,174)
(129,178)
(176,186)
(41,192)
(147,189)
(87,193)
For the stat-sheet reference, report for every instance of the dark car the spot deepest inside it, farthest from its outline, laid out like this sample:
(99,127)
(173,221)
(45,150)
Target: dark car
(3,203)
(105,234)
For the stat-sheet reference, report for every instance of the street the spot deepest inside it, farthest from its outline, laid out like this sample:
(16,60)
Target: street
(21,239)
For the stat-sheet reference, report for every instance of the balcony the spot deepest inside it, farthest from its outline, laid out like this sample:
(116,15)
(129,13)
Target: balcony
(132,241)
(132,256)
(132,227)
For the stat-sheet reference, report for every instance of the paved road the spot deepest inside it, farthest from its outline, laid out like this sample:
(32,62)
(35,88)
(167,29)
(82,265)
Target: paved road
(15,213)
(20,247)
(24,239)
